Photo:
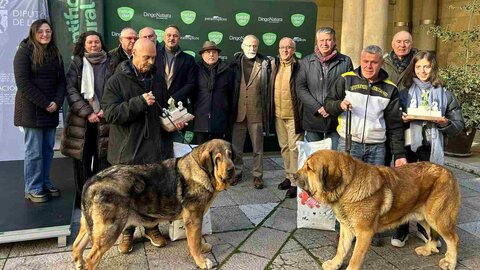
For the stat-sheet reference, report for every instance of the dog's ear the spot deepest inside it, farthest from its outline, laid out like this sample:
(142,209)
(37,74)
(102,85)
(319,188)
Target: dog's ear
(329,180)
(207,161)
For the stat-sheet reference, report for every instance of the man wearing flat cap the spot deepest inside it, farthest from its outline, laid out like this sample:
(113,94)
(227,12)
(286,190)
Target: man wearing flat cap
(212,97)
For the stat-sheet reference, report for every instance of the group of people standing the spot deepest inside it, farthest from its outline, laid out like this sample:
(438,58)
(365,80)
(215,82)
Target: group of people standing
(115,100)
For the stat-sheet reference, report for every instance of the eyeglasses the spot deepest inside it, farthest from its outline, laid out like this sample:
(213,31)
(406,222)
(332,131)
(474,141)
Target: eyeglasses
(250,45)
(286,47)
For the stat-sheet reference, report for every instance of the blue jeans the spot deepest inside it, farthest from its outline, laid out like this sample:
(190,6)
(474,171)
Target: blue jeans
(369,153)
(39,144)
(313,136)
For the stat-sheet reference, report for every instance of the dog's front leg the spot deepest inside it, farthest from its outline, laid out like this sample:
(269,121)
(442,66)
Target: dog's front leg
(344,244)
(364,238)
(193,228)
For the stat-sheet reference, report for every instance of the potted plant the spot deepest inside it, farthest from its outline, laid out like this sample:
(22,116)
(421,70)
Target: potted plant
(463,78)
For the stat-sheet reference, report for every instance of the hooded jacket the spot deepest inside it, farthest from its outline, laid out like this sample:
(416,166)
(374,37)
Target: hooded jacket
(74,133)
(136,135)
(37,86)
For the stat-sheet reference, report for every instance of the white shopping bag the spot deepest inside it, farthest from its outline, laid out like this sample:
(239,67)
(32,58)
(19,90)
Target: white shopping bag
(310,213)
(176,229)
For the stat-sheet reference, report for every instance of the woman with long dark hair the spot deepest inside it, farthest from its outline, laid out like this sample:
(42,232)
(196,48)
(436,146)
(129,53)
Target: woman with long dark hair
(40,80)
(85,135)
(426,143)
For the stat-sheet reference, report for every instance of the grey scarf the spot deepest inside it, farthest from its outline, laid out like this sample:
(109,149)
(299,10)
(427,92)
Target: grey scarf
(424,94)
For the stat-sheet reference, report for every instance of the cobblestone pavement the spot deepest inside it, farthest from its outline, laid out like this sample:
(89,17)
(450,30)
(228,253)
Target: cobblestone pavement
(256,229)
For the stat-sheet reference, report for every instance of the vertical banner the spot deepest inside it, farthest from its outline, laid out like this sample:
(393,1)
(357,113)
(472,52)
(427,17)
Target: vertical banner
(15,20)
(70,18)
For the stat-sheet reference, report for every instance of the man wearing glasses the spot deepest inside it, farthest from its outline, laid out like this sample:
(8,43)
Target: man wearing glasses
(251,106)
(287,111)
(123,52)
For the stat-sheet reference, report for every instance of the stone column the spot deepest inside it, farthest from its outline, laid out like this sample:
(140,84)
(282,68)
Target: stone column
(401,16)
(428,19)
(376,23)
(352,30)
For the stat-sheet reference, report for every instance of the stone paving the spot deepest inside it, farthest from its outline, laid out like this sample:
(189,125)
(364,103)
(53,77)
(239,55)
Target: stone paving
(256,229)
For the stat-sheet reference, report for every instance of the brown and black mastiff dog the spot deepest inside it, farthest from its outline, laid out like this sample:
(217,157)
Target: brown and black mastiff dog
(367,199)
(125,195)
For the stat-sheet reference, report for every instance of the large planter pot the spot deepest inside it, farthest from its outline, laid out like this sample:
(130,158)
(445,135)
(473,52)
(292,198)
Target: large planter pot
(460,145)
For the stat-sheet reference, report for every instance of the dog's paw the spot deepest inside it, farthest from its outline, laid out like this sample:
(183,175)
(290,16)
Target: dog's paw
(427,249)
(206,264)
(330,265)
(206,247)
(446,264)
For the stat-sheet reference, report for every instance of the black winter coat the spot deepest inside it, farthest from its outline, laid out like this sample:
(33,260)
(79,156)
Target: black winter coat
(313,86)
(74,133)
(136,136)
(184,75)
(212,107)
(117,56)
(36,88)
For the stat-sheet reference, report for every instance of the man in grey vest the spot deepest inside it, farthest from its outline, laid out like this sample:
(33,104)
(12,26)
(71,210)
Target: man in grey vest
(251,106)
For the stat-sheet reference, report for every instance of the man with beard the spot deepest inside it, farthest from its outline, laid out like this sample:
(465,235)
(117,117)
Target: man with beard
(251,106)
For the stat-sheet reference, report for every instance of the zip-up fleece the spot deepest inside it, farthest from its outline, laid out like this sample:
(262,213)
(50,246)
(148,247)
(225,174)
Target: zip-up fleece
(376,111)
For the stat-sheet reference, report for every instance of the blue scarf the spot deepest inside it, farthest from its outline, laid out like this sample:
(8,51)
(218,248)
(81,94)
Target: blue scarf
(434,98)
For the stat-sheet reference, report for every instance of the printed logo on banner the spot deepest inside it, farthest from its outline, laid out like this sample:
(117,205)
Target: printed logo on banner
(269,38)
(270,19)
(297,19)
(192,53)
(242,18)
(125,13)
(160,33)
(157,15)
(189,37)
(223,57)
(298,39)
(215,36)
(298,54)
(236,38)
(216,18)
(188,16)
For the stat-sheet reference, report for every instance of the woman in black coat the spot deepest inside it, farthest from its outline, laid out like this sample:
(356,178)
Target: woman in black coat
(213,96)
(40,79)
(85,135)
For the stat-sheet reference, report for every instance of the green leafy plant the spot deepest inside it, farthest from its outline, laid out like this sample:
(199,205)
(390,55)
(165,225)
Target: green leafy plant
(463,79)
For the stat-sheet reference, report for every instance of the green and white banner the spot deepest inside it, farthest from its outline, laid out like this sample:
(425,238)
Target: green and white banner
(70,18)
(226,22)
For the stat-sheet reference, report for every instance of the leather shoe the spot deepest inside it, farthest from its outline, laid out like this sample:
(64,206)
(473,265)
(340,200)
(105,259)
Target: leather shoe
(286,184)
(291,193)
(257,183)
